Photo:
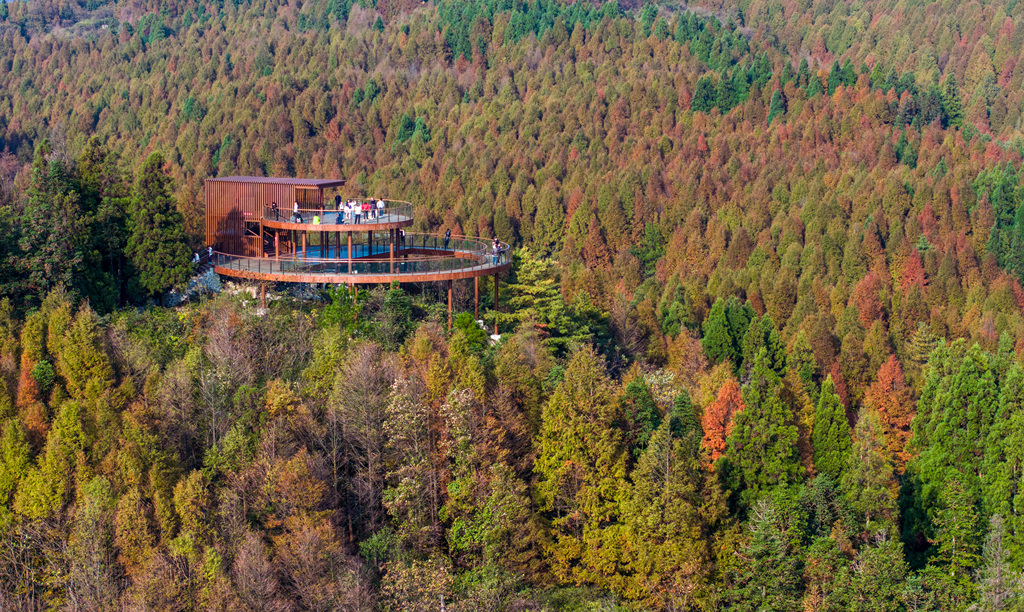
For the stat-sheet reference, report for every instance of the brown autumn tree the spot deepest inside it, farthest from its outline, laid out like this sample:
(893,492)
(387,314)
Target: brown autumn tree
(894,402)
(718,418)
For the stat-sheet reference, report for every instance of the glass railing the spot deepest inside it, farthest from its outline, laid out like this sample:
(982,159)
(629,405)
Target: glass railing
(413,258)
(328,213)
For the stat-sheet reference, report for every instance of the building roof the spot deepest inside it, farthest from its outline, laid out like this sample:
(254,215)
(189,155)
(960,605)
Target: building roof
(297,182)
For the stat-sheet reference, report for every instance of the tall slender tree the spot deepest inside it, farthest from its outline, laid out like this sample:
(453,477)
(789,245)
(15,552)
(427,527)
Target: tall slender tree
(157,245)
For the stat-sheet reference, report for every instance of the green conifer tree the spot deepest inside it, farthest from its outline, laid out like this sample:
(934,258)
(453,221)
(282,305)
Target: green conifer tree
(157,244)
(868,482)
(582,469)
(641,414)
(53,229)
(673,508)
(762,449)
(767,576)
(777,106)
(831,437)
(952,106)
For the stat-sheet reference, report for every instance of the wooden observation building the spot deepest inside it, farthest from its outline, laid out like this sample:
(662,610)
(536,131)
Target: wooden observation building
(302,231)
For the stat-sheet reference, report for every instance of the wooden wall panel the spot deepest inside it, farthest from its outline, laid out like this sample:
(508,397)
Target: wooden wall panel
(230,204)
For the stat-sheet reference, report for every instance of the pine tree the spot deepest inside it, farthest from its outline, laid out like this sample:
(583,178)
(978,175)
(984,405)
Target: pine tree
(952,106)
(877,576)
(724,330)
(641,414)
(831,437)
(1004,462)
(53,229)
(705,97)
(684,422)
(762,450)
(767,576)
(581,468)
(673,508)
(999,587)
(868,481)
(777,106)
(958,539)
(157,244)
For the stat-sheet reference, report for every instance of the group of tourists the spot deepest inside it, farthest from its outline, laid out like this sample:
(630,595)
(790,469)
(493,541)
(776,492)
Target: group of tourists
(495,251)
(207,252)
(351,211)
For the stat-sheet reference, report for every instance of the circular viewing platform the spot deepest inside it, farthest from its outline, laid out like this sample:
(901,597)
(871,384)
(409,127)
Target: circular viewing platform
(416,258)
(328,217)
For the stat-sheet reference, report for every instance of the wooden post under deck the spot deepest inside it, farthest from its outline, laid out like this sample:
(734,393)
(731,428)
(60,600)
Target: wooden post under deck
(263,295)
(338,254)
(449,305)
(476,297)
(369,243)
(277,244)
(391,249)
(495,304)
(303,245)
(350,252)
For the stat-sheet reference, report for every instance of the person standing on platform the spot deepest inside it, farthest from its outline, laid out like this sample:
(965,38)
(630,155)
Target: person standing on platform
(337,207)
(380,209)
(495,252)
(273,209)
(366,210)
(447,238)
(357,212)
(295,212)
(401,238)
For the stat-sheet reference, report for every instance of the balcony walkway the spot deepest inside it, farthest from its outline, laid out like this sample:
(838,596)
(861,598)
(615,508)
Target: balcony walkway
(395,216)
(410,265)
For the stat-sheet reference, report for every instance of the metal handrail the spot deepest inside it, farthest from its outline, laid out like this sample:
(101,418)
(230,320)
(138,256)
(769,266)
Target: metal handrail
(286,213)
(298,264)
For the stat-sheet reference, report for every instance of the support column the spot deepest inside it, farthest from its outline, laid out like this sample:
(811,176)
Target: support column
(391,249)
(495,304)
(277,244)
(476,298)
(350,252)
(303,245)
(369,243)
(263,295)
(338,253)
(449,305)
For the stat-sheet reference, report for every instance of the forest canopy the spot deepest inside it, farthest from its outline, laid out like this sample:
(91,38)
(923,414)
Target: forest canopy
(761,343)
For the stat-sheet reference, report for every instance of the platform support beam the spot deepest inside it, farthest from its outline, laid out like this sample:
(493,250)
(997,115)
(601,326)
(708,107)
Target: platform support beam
(303,245)
(449,305)
(476,298)
(350,252)
(391,248)
(495,276)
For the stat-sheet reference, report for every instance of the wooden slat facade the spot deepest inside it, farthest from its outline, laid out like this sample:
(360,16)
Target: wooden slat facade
(233,202)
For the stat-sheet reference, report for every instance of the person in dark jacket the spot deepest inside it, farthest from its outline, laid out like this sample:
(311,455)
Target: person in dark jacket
(447,238)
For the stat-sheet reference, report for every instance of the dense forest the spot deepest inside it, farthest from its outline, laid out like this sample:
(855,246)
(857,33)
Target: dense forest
(761,345)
